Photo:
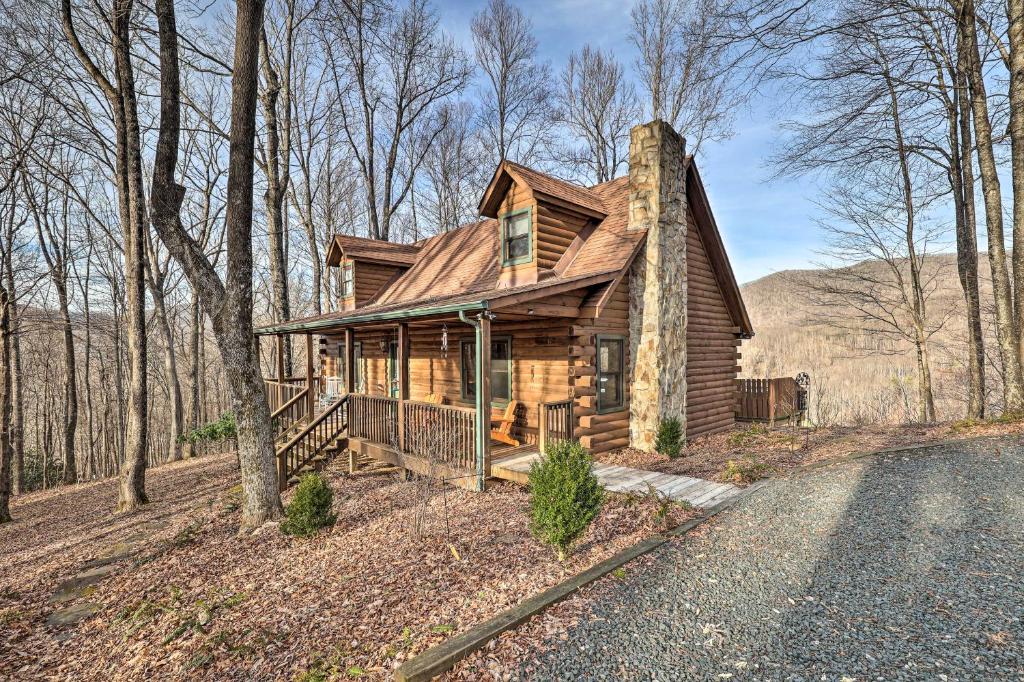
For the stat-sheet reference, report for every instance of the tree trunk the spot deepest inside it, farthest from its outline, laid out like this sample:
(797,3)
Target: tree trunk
(1015,38)
(229,303)
(132,488)
(1006,332)
(6,453)
(70,473)
(967,240)
(193,403)
(17,437)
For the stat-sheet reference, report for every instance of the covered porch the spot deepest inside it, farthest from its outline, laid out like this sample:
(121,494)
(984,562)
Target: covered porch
(419,393)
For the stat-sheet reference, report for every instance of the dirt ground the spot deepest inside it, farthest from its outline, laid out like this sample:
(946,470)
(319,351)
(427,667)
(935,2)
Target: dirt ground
(200,601)
(760,450)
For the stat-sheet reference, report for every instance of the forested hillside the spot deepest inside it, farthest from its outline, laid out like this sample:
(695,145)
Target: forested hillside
(868,376)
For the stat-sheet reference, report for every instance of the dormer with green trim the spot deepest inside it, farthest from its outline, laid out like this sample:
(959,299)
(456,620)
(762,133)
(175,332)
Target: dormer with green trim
(541,222)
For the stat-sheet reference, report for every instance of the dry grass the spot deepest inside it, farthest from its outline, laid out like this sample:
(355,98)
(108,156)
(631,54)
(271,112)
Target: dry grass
(758,448)
(204,602)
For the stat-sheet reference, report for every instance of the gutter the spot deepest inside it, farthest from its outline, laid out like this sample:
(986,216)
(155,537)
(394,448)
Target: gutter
(483,416)
(315,325)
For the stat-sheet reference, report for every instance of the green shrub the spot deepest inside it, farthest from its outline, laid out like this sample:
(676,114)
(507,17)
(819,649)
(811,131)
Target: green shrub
(564,495)
(222,429)
(670,437)
(310,509)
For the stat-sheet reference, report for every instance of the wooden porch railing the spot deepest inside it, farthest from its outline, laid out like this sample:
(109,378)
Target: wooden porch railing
(281,392)
(556,422)
(442,433)
(311,440)
(374,418)
(289,414)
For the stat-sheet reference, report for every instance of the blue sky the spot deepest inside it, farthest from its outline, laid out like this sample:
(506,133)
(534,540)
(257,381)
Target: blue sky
(767,226)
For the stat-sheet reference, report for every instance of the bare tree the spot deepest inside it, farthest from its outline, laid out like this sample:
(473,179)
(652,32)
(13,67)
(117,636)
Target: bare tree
(229,302)
(121,98)
(682,64)
(597,109)
(392,67)
(516,109)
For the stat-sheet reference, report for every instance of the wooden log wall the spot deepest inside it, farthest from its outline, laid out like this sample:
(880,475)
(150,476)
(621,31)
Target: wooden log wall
(608,431)
(556,228)
(370,278)
(712,341)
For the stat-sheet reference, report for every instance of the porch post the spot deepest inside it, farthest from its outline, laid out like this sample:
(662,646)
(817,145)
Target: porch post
(483,398)
(403,380)
(310,386)
(350,361)
(279,399)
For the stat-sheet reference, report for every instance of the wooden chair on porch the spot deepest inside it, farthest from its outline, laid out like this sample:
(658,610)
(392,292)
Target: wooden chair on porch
(434,398)
(501,429)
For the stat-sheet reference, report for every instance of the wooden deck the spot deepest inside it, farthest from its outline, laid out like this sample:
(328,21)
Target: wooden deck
(696,491)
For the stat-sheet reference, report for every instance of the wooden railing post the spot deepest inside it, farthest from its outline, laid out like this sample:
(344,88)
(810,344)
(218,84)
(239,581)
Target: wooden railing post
(542,436)
(310,389)
(403,380)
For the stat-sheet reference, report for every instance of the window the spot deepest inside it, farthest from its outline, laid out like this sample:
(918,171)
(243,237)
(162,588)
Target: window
(501,369)
(516,238)
(610,359)
(347,288)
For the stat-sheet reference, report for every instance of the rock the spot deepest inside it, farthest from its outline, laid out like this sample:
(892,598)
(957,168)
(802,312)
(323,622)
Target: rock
(72,614)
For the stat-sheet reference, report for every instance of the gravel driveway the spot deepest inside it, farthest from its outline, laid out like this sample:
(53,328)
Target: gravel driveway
(905,566)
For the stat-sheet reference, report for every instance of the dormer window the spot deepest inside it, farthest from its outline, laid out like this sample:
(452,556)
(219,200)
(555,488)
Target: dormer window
(516,238)
(347,288)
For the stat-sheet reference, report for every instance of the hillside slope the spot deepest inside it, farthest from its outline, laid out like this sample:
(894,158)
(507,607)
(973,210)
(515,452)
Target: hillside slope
(864,376)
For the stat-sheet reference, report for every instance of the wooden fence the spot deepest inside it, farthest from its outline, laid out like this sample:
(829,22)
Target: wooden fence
(768,399)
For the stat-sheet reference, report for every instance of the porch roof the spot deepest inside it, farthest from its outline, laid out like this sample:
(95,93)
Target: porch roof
(484,299)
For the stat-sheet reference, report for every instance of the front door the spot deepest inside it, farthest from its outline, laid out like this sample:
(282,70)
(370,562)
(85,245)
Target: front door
(393,369)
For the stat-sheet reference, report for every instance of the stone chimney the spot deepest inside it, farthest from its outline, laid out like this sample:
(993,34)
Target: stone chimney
(657,289)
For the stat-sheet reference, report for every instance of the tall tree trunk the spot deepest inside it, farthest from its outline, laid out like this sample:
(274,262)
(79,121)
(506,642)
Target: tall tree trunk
(277,142)
(229,303)
(17,436)
(194,417)
(962,175)
(1006,328)
(132,488)
(1015,38)
(6,452)
(70,473)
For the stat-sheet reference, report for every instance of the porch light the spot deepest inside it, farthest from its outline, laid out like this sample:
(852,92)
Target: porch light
(383,346)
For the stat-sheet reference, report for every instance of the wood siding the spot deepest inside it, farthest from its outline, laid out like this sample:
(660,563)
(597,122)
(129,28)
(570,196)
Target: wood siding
(555,229)
(712,345)
(609,430)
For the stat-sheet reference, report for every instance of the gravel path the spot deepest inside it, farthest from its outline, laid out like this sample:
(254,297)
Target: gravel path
(905,566)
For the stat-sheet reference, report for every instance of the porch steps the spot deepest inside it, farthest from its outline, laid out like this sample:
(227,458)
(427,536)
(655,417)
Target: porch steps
(695,491)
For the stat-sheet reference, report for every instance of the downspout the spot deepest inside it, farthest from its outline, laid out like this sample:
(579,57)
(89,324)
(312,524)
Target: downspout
(483,417)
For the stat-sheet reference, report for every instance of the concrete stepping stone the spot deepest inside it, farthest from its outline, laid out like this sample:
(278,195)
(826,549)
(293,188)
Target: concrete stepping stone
(79,585)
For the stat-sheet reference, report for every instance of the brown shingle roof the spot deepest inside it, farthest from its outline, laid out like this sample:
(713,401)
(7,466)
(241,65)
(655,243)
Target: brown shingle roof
(579,195)
(375,249)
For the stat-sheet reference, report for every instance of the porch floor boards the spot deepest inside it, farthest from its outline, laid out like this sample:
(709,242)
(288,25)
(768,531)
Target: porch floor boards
(696,491)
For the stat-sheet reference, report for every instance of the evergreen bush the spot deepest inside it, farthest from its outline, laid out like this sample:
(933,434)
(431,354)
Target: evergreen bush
(669,441)
(564,495)
(310,509)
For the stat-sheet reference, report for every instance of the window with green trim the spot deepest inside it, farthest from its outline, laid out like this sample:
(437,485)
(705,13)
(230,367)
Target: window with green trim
(347,288)
(610,361)
(517,237)
(501,368)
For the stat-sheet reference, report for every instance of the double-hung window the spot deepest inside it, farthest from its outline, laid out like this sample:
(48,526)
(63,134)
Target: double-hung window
(516,241)
(347,288)
(610,361)
(501,369)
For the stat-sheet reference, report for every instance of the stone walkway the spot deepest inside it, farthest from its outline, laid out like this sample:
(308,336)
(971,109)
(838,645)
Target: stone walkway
(695,491)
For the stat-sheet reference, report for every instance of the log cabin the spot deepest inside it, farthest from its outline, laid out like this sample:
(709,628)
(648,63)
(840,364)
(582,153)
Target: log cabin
(564,312)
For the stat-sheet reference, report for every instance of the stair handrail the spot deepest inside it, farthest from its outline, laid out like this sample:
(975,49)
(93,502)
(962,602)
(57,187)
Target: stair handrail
(291,401)
(312,425)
